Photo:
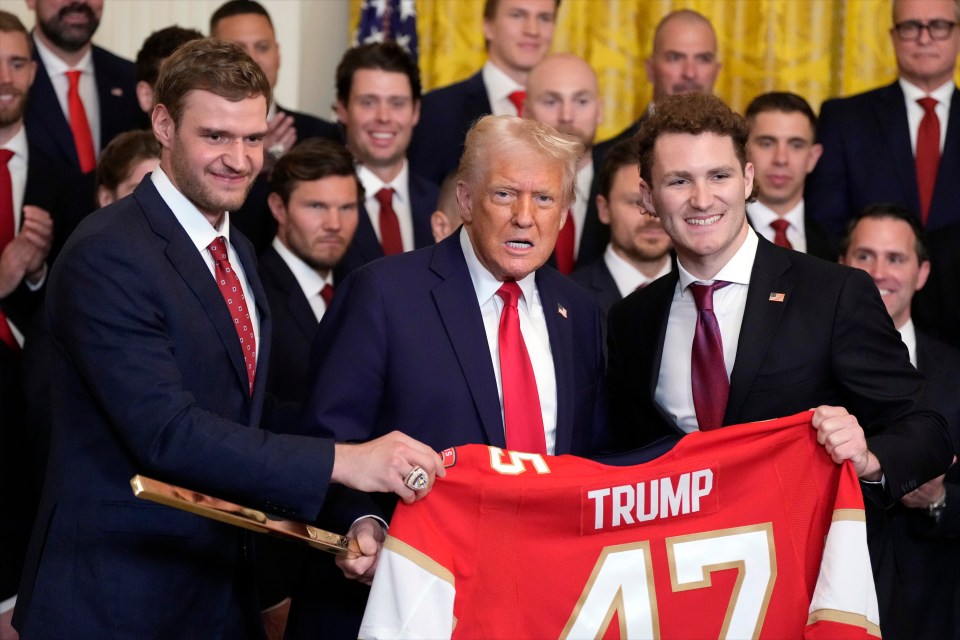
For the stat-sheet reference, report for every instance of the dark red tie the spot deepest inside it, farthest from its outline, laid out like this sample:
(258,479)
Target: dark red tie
(928,154)
(229,284)
(780,233)
(7,231)
(523,421)
(390,238)
(518,98)
(708,372)
(565,242)
(327,294)
(80,125)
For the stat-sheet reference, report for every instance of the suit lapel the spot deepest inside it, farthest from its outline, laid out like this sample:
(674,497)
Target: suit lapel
(249,262)
(456,302)
(556,311)
(945,191)
(294,299)
(660,300)
(760,319)
(891,111)
(44,103)
(422,206)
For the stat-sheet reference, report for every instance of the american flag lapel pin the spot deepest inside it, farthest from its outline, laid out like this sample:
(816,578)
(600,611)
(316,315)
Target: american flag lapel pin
(562,310)
(776,297)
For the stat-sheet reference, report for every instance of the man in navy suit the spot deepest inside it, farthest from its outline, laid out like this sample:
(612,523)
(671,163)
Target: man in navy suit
(916,552)
(378,104)
(744,330)
(411,342)
(160,326)
(870,140)
(517,33)
(107,89)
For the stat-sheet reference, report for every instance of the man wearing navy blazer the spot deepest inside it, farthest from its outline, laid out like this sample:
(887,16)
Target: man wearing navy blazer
(378,104)
(787,332)
(870,140)
(411,342)
(157,333)
(517,34)
(62,42)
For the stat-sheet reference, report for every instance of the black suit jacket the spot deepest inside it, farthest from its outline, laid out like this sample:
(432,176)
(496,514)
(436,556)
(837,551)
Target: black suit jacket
(830,341)
(936,307)
(596,235)
(819,243)
(446,114)
(868,158)
(596,279)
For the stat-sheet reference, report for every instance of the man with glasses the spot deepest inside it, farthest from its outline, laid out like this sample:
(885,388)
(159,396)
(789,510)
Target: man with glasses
(899,143)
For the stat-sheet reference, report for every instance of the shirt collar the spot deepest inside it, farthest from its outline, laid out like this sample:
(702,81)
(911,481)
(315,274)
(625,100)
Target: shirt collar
(942,94)
(584,181)
(908,333)
(761,215)
(201,232)
(499,85)
(372,183)
(484,284)
(307,277)
(737,269)
(55,66)
(625,275)
(18,144)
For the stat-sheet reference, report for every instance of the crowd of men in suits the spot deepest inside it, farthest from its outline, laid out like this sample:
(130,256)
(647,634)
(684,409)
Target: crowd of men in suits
(433,270)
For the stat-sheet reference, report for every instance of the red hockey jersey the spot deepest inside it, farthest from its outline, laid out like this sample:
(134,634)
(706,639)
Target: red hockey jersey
(744,532)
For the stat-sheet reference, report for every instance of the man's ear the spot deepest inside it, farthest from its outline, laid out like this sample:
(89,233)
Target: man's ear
(164,128)
(646,198)
(465,200)
(277,208)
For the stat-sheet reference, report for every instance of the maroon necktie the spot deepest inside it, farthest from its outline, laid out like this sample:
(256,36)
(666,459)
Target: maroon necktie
(327,294)
(708,372)
(229,284)
(390,238)
(928,154)
(523,421)
(780,233)
(564,247)
(7,230)
(80,125)
(518,97)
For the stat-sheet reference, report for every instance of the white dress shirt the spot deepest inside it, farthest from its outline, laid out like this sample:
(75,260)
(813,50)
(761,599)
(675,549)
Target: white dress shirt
(401,201)
(581,187)
(18,172)
(626,276)
(311,282)
(57,70)
(761,216)
(202,233)
(674,392)
(499,87)
(911,93)
(533,327)
(908,333)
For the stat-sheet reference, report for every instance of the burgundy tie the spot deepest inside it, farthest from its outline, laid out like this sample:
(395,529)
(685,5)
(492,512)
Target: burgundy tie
(327,294)
(928,154)
(80,125)
(780,233)
(518,97)
(565,243)
(708,372)
(523,421)
(390,238)
(7,231)
(229,284)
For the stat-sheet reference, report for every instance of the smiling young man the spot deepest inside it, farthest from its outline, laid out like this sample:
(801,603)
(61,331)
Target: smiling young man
(746,331)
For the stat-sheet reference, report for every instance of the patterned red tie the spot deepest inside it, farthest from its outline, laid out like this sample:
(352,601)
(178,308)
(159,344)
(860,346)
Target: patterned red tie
(518,97)
(523,421)
(708,372)
(390,238)
(7,231)
(80,125)
(327,294)
(229,284)
(780,233)
(565,242)
(928,154)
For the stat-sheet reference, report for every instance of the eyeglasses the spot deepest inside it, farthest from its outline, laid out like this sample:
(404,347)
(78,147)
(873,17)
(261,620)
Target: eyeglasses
(911,29)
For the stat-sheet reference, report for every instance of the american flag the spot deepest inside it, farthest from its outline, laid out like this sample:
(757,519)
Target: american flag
(383,20)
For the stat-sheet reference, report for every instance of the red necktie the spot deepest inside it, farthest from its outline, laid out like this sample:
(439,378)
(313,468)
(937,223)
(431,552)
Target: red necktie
(229,284)
(928,154)
(708,371)
(523,421)
(565,242)
(390,237)
(80,125)
(518,97)
(7,230)
(780,233)
(327,294)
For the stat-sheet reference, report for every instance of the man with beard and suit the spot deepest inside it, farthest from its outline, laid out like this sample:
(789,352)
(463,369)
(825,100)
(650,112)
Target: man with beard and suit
(517,34)
(913,546)
(744,330)
(472,340)
(782,151)
(562,92)
(899,143)
(161,334)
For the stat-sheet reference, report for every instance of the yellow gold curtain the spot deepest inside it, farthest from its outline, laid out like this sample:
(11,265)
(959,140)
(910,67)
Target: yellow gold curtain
(817,48)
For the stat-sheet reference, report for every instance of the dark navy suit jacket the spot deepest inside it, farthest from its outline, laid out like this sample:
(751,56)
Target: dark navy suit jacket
(867,158)
(149,378)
